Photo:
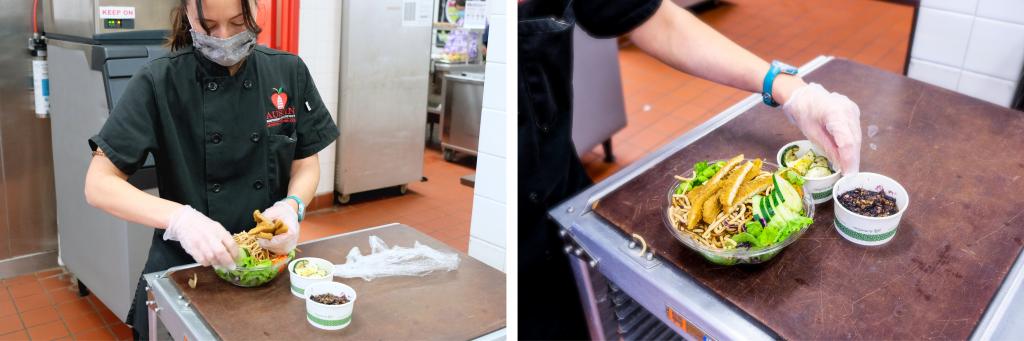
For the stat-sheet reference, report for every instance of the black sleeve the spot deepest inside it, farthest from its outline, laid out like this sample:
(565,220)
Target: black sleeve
(315,127)
(611,18)
(129,134)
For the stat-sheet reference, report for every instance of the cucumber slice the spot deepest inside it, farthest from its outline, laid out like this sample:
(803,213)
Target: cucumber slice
(790,198)
(759,210)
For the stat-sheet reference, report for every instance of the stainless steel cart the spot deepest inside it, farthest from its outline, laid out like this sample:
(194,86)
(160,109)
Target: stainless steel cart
(170,306)
(623,291)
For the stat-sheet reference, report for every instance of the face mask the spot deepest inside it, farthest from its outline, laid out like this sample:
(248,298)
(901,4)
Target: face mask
(227,51)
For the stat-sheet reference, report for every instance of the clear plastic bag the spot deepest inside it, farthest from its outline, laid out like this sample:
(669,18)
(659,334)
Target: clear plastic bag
(383,261)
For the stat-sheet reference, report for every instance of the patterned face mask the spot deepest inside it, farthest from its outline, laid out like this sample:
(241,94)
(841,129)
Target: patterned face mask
(225,51)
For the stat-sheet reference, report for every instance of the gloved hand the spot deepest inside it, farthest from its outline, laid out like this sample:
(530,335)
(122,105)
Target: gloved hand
(283,243)
(204,239)
(829,120)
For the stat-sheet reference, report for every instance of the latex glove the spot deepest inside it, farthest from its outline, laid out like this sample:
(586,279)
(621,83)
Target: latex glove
(203,238)
(829,120)
(283,243)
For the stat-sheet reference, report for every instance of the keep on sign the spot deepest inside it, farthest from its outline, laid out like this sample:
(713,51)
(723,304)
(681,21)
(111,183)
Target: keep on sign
(116,12)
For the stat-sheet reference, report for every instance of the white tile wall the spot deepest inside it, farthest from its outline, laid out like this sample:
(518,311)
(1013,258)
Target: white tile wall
(496,52)
(1003,10)
(319,47)
(996,48)
(988,88)
(487,253)
(491,210)
(975,47)
(492,125)
(941,36)
(490,177)
(961,6)
(494,89)
(487,235)
(936,74)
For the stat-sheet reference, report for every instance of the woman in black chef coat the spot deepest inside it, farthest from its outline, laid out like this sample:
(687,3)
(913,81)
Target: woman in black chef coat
(233,127)
(549,169)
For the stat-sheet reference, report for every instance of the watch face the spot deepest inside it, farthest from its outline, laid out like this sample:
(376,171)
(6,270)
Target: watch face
(786,68)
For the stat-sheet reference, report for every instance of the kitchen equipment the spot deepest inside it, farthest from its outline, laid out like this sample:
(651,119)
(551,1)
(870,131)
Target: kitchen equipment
(460,120)
(94,48)
(436,99)
(385,63)
(107,21)
(28,219)
(598,108)
(468,303)
(822,286)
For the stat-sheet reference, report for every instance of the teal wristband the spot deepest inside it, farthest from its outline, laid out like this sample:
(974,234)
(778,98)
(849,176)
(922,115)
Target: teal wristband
(302,207)
(766,88)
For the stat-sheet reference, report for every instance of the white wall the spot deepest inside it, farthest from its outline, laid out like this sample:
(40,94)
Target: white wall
(320,48)
(487,228)
(975,47)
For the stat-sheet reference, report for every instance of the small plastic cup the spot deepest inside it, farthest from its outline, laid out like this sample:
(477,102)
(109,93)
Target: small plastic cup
(299,283)
(865,230)
(329,317)
(821,187)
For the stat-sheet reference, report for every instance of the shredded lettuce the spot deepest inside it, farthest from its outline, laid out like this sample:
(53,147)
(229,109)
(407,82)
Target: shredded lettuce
(783,224)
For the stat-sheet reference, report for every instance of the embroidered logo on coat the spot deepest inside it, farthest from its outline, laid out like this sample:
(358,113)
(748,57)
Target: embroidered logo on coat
(282,114)
(279,98)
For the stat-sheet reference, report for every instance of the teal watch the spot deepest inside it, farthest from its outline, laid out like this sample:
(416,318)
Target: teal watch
(776,68)
(302,207)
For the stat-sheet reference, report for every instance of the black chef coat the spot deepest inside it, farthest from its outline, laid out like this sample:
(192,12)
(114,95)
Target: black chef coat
(549,169)
(222,144)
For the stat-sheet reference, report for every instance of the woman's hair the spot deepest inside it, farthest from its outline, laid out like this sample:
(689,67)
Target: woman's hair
(181,38)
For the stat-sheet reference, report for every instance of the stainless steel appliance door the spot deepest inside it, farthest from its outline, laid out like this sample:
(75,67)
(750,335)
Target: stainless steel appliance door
(383,88)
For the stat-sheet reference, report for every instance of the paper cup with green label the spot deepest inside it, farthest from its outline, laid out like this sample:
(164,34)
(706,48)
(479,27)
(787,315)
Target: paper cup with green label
(809,160)
(305,271)
(868,208)
(336,312)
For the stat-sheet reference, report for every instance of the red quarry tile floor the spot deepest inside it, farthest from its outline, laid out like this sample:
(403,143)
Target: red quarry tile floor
(53,310)
(440,207)
(662,103)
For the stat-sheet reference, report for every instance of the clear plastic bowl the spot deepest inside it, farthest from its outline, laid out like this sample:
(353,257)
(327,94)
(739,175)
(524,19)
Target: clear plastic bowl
(739,255)
(254,276)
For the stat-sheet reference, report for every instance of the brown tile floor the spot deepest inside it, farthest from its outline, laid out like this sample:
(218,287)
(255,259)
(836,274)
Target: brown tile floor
(662,103)
(440,207)
(45,305)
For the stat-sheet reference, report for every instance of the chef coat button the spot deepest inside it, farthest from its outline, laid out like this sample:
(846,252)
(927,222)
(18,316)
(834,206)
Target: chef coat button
(212,86)
(255,137)
(258,185)
(216,138)
(534,197)
(247,84)
(215,188)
